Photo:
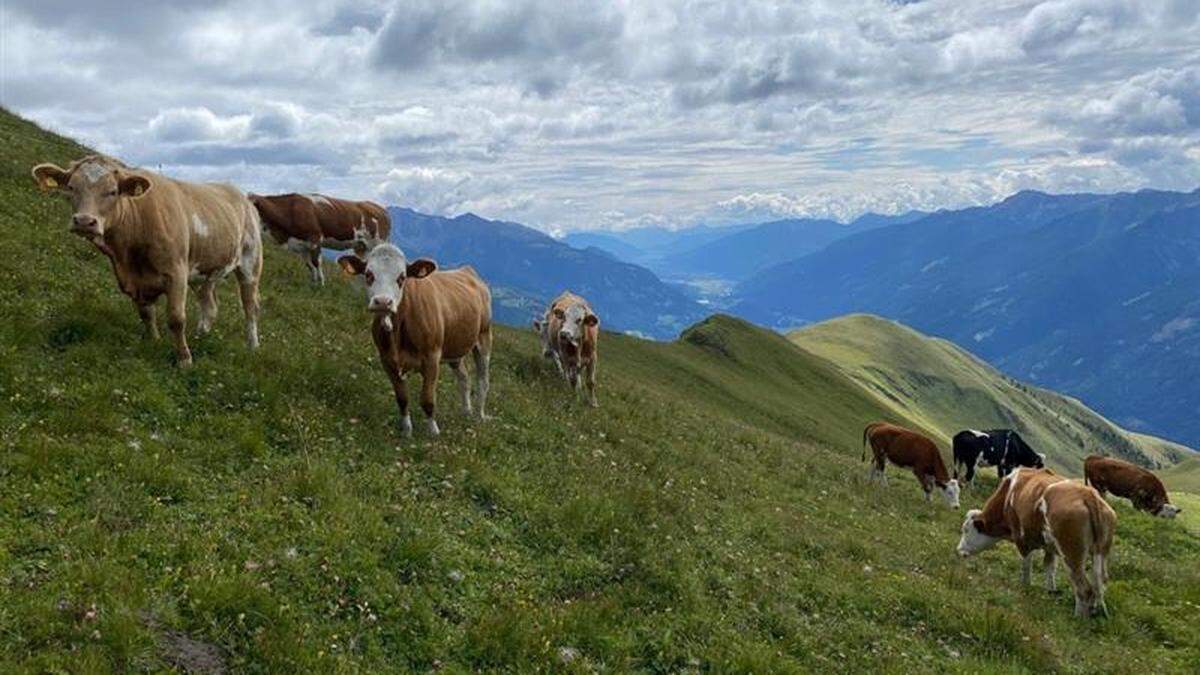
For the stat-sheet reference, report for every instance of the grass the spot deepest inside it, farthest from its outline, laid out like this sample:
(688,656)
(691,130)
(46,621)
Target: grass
(711,516)
(1183,476)
(943,389)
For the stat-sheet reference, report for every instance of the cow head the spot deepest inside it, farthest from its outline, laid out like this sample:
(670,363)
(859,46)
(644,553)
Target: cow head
(573,320)
(95,185)
(973,540)
(1167,511)
(950,492)
(385,270)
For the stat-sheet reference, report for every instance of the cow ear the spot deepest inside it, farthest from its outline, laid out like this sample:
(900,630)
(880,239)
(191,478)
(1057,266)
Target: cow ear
(51,177)
(133,186)
(421,268)
(352,265)
(591,320)
(559,314)
(537,324)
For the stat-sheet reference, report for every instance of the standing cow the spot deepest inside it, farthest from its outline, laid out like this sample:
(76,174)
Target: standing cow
(1001,448)
(304,223)
(1037,509)
(422,318)
(160,234)
(908,449)
(570,331)
(1134,483)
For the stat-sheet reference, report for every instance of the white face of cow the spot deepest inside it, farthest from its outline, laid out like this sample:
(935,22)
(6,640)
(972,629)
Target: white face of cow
(385,269)
(574,319)
(1168,511)
(973,541)
(94,187)
(950,494)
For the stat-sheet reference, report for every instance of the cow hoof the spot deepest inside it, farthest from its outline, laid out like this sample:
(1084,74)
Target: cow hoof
(185,363)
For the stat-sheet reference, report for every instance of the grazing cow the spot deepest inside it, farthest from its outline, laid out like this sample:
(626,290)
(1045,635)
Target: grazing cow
(906,448)
(1134,483)
(571,331)
(422,318)
(161,234)
(973,449)
(1036,509)
(1001,448)
(306,223)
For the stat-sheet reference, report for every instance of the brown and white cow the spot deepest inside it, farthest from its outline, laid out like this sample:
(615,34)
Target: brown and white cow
(304,223)
(422,318)
(160,234)
(1037,509)
(908,449)
(1132,482)
(570,333)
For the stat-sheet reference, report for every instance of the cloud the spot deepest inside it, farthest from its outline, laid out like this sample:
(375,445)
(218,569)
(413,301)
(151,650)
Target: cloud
(566,113)
(445,192)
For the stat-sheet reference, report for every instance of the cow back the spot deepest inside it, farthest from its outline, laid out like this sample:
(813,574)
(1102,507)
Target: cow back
(446,312)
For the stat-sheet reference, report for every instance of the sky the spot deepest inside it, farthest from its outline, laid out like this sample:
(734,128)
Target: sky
(568,115)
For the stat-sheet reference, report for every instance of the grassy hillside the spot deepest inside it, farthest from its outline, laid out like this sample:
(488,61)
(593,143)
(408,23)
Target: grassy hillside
(1183,476)
(260,510)
(946,389)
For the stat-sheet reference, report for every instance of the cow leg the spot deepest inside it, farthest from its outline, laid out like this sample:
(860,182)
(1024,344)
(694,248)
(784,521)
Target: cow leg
(145,311)
(400,389)
(177,316)
(207,299)
(463,382)
(1099,578)
(1026,567)
(1049,563)
(316,274)
(589,371)
(483,359)
(1084,594)
(429,376)
(249,272)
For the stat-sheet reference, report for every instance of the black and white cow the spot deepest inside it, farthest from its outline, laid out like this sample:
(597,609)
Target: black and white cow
(1001,448)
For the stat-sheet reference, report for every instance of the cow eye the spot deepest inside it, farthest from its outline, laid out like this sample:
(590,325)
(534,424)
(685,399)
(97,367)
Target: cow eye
(400,278)
(370,277)
(111,193)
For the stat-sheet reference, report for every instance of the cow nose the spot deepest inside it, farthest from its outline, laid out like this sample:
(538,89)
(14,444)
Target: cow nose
(380,303)
(564,335)
(82,221)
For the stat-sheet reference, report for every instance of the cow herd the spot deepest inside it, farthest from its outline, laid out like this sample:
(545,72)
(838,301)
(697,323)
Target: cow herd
(163,235)
(1033,507)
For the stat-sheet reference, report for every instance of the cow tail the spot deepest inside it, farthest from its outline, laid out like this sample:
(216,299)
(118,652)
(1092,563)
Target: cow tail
(866,435)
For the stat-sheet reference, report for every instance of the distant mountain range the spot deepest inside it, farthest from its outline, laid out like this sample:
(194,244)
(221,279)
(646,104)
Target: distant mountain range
(730,253)
(527,268)
(1097,296)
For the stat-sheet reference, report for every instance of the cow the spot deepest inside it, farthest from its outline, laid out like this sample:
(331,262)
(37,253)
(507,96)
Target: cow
(1037,509)
(424,317)
(160,234)
(1001,448)
(304,223)
(571,332)
(972,449)
(909,449)
(1144,489)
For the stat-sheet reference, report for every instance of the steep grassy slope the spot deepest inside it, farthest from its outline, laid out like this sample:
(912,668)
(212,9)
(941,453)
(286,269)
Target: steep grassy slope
(1183,476)
(711,516)
(946,390)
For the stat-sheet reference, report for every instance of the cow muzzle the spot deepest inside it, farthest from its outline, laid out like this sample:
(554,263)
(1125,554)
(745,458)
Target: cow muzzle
(381,305)
(85,225)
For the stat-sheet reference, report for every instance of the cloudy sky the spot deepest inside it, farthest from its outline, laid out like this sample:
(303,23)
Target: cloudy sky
(567,114)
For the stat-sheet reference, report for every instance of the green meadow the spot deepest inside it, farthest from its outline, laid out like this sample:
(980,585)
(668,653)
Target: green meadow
(261,512)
